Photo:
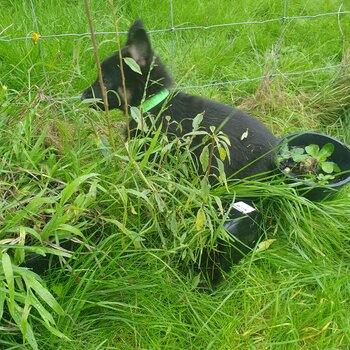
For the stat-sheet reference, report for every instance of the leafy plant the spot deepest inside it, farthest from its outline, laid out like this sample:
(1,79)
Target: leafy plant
(310,161)
(44,199)
(22,292)
(216,148)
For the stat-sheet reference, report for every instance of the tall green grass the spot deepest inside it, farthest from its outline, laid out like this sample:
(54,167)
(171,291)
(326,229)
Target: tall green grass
(134,217)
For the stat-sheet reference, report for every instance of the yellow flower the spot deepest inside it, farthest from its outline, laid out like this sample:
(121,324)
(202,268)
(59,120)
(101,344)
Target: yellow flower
(35,37)
(4,88)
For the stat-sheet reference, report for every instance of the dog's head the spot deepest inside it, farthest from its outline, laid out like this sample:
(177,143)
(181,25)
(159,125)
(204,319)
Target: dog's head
(153,75)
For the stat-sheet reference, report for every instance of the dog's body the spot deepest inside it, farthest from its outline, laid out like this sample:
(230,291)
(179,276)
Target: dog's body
(251,150)
(251,142)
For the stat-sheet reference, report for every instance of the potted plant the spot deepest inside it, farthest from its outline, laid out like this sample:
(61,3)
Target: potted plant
(320,164)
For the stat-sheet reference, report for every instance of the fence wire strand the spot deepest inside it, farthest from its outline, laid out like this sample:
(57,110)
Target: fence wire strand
(173,29)
(176,29)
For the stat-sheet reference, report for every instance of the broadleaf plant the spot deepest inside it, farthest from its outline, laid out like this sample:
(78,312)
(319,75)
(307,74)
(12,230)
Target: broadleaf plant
(310,161)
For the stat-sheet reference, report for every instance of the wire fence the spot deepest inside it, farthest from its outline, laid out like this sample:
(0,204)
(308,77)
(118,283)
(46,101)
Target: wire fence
(283,19)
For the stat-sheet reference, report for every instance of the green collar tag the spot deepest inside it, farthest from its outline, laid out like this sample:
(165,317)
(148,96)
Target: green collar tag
(155,100)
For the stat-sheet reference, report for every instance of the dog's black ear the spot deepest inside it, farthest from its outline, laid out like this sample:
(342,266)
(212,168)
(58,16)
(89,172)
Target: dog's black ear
(138,43)
(138,24)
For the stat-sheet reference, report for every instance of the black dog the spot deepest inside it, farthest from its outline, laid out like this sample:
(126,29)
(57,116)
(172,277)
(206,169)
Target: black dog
(251,151)
(251,142)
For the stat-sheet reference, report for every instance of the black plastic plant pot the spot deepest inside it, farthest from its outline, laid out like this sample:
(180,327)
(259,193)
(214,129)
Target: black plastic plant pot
(340,156)
(243,224)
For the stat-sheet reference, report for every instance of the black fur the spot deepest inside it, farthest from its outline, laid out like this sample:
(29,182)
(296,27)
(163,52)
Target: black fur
(255,148)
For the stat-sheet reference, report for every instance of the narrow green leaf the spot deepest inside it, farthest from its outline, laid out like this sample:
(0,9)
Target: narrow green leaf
(224,138)
(160,203)
(92,192)
(25,314)
(132,64)
(199,133)
(8,272)
(2,298)
(137,116)
(43,293)
(30,337)
(195,281)
(222,153)
(200,219)
(222,174)
(33,232)
(19,253)
(173,223)
(74,186)
(196,122)
(219,204)
(166,149)
(264,245)
(140,194)
(52,226)
(151,147)
(54,330)
(133,236)
(36,203)
(205,188)
(33,208)
(71,229)
(204,158)
(45,315)
(37,152)
(43,251)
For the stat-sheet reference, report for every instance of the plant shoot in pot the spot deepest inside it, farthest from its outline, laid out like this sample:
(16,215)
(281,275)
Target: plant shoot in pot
(310,163)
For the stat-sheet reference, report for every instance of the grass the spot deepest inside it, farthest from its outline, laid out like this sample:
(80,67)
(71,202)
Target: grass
(134,222)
